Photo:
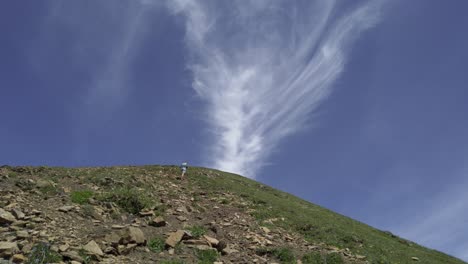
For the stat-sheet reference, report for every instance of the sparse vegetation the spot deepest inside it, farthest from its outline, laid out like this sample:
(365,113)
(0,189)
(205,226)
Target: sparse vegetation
(313,258)
(285,255)
(334,258)
(156,244)
(156,188)
(197,231)
(81,197)
(206,256)
(42,254)
(48,190)
(86,258)
(88,210)
(130,200)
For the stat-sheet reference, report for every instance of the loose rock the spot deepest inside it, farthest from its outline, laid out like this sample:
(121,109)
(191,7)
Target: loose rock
(8,249)
(6,217)
(93,248)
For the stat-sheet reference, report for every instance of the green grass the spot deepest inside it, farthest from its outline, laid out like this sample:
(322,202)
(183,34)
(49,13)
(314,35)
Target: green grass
(206,256)
(130,200)
(197,231)
(285,255)
(315,223)
(49,190)
(42,254)
(81,197)
(156,244)
(334,258)
(313,258)
(87,259)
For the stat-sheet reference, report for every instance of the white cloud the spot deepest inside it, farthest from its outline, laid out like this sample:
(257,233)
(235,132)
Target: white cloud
(103,40)
(442,223)
(263,67)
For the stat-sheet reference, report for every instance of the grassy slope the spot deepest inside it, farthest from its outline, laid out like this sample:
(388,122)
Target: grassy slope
(317,224)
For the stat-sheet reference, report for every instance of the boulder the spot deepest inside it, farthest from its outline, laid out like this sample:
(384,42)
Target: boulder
(22,234)
(175,238)
(18,258)
(229,251)
(158,222)
(6,217)
(93,248)
(8,249)
(113,239)
(72,255)
(134,235)
(182,218)
(213,241)
(18,214)
(146,213)
(66,208)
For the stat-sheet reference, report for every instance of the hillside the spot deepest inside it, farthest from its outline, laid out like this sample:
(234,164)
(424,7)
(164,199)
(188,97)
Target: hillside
(147,215)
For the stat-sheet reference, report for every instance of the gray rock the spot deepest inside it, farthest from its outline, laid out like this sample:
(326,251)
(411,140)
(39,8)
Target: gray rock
(6,217)
(134,235)
(174,238)
(66,208)
(158,222)
(93,248)
(7,249)
(72,255)
(18,214)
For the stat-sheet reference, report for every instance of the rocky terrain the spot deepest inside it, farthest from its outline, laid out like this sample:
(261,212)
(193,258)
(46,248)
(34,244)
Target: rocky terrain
(144,215)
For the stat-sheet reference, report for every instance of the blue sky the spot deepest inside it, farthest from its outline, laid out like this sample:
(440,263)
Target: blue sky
(359,107)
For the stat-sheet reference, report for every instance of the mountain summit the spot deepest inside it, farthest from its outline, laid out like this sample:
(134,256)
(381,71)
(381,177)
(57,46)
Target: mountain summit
(148,214)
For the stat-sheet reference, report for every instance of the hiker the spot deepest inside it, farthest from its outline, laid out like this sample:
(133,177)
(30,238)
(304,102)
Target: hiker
(183,167)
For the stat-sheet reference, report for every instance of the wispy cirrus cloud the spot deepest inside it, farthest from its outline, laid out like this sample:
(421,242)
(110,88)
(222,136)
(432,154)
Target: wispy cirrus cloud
(102,39)
(440,222)
(263,67)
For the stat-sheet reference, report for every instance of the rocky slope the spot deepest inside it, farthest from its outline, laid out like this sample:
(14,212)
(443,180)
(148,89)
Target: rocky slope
(149,215)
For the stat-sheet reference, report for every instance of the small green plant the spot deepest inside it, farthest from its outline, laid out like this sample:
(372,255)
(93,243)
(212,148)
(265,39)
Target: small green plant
(285,255)
(206,256)
(313,258)
(86,258)
(81,197)
(334,258)
(48,190)
(197,231)
(42,254)
(156,244)
(130,200)
(88,210)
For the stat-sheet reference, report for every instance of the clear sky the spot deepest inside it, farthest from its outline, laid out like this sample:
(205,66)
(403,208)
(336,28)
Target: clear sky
(358,106)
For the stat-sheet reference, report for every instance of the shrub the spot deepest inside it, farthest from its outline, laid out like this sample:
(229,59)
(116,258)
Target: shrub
(88,210)
(313,258)
(49,190)
(86,258)
(81,197)
(283,254)
(130,200)
(334,258)
(197,231)
(206,256)
(156,244)
(42,254)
